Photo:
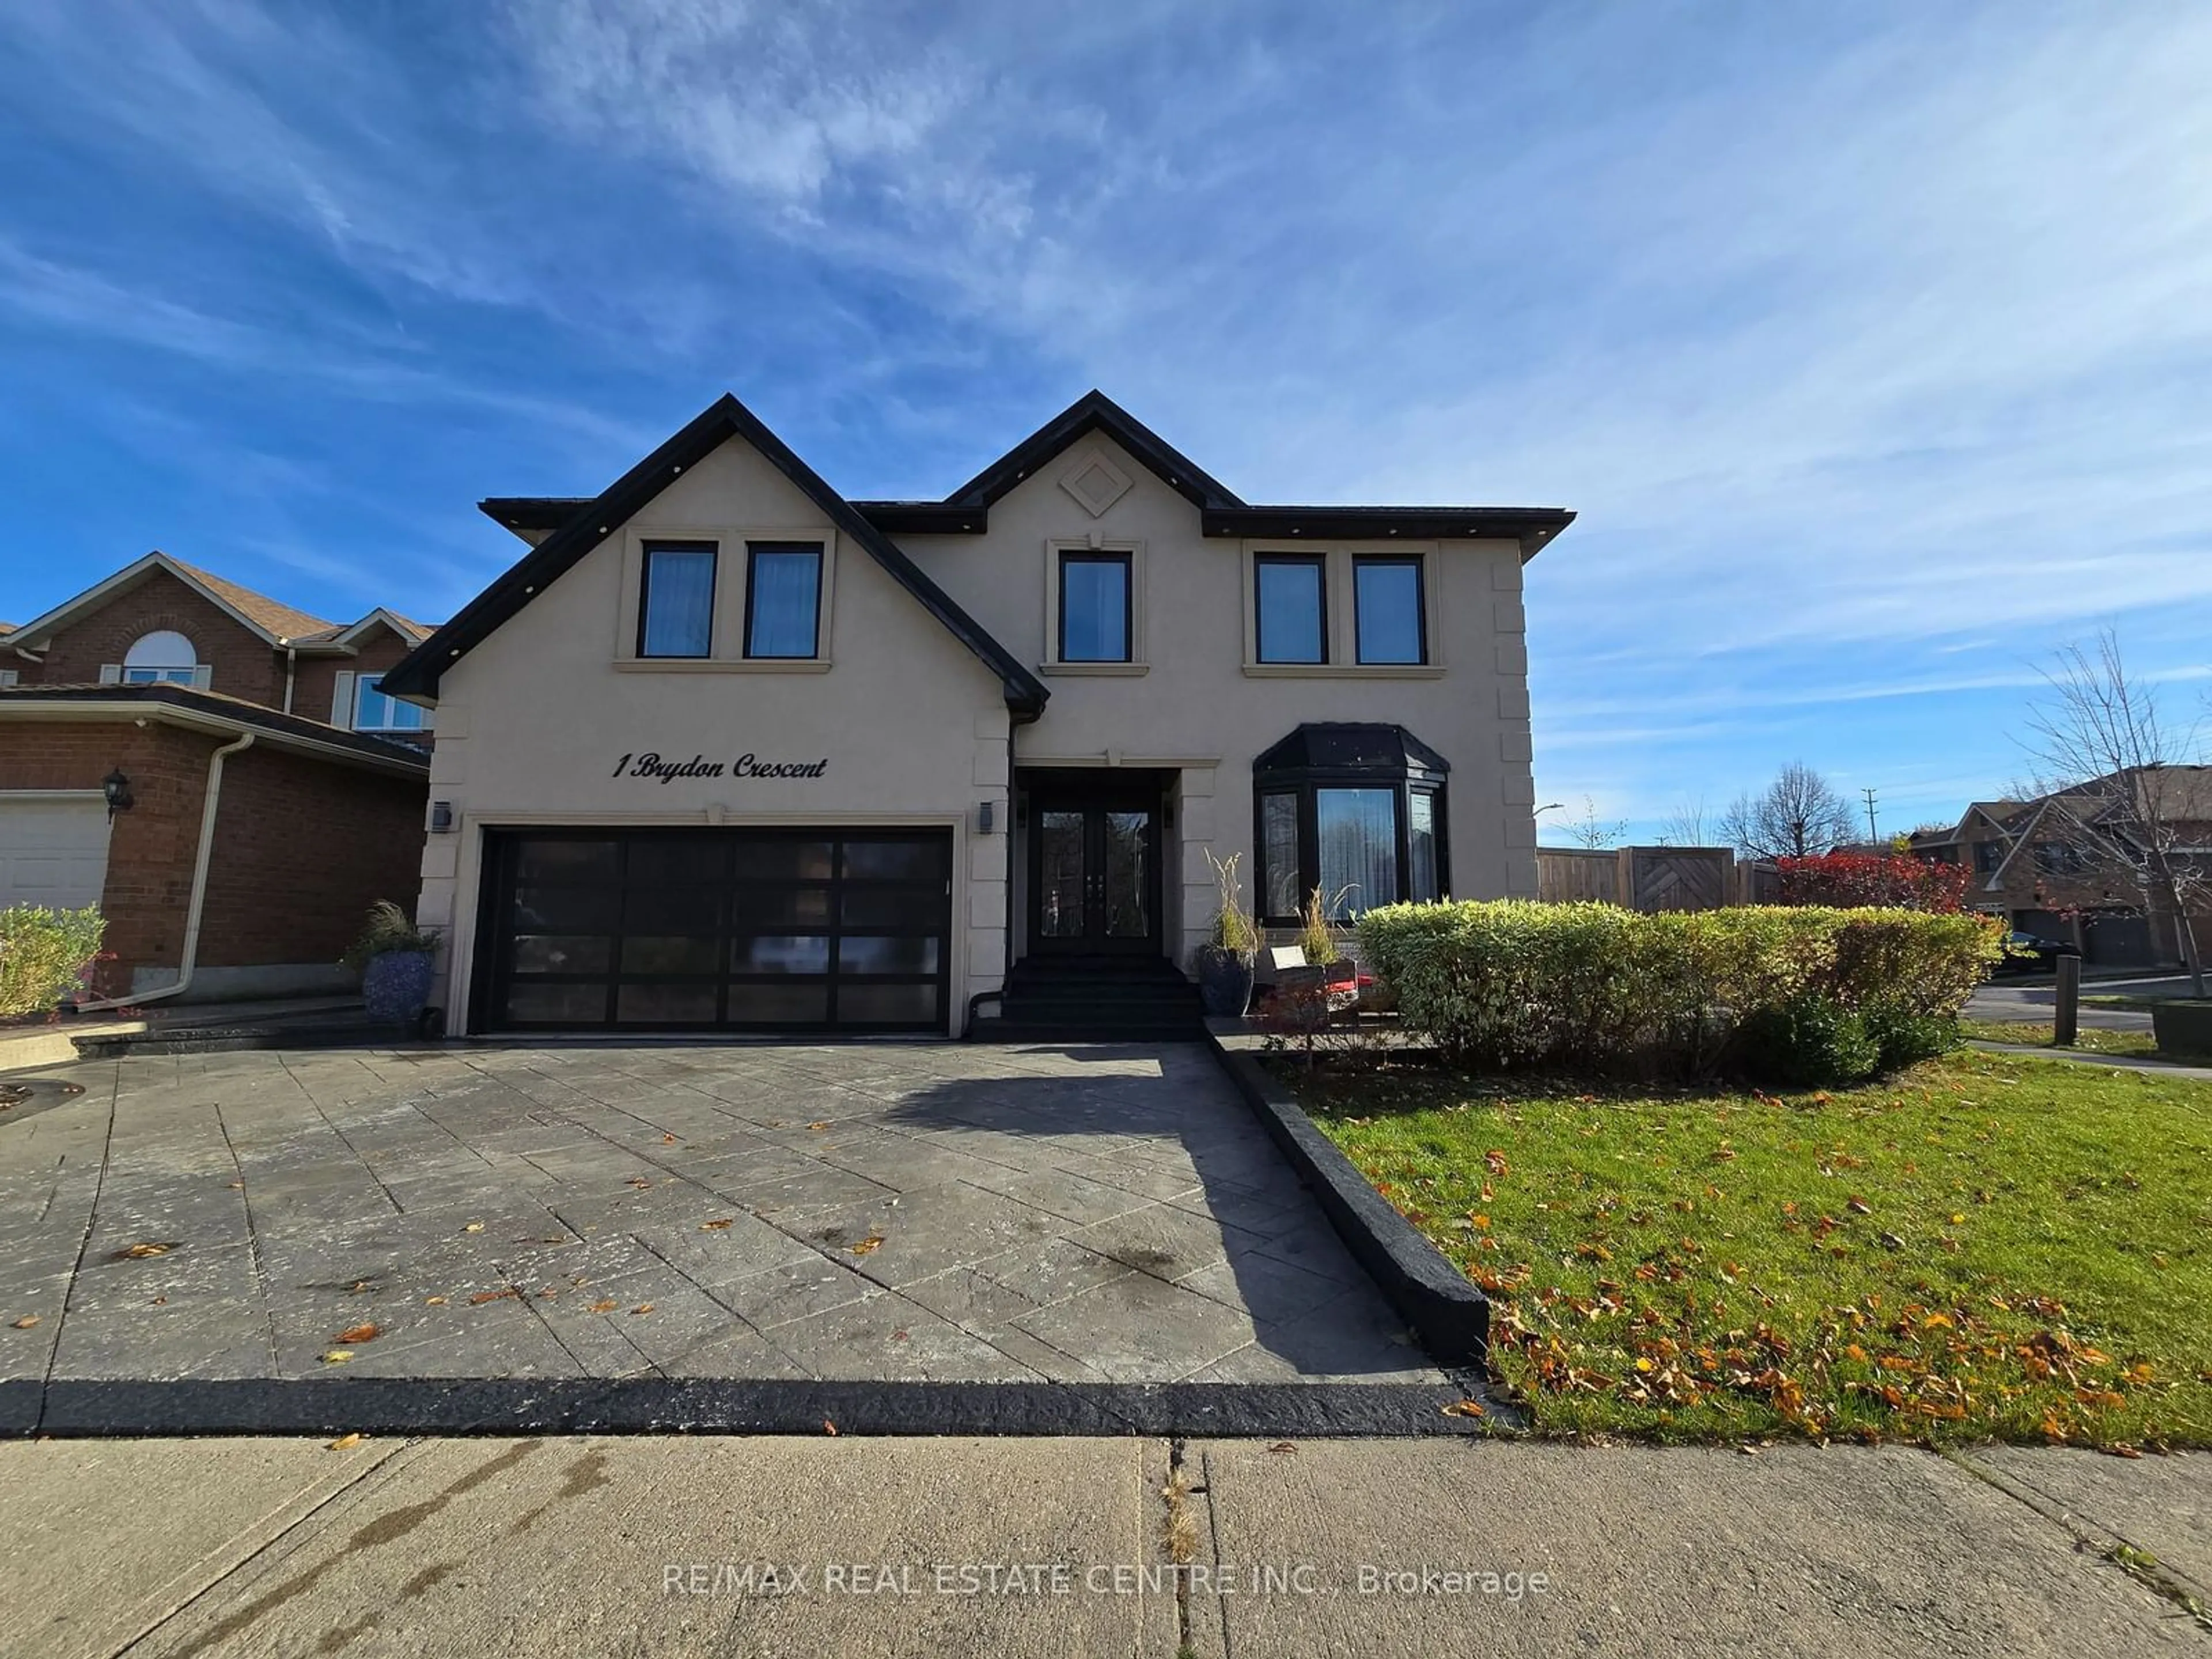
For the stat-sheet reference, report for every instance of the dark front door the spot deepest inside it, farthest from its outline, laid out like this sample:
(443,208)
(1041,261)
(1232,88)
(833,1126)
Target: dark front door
(1094,871)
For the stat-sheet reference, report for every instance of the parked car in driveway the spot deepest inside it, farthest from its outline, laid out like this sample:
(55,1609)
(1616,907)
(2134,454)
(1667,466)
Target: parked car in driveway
(2031,953)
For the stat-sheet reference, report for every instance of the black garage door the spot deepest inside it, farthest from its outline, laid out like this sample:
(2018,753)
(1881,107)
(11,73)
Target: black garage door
(675,930)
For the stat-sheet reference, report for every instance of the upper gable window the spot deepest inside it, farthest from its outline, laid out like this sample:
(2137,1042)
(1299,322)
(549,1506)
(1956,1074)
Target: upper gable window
(783,599)
(676,609)
(1390,608)
(160,656)
(374,712)
(1095,598)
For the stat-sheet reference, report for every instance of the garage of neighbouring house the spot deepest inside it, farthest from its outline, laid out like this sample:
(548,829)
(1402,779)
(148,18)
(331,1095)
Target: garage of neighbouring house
(310,826)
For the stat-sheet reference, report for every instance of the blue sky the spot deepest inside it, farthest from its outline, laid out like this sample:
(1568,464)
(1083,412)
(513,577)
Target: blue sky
(1871,342)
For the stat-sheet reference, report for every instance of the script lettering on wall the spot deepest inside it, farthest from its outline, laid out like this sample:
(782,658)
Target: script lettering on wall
(650,767)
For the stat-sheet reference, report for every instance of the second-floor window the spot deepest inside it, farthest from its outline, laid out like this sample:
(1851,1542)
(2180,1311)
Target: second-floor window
(783,599)
(158,657)
(374,712)
(1988,854)
(1290,607)
(2059,857)
(675,610)
(1095,607)
(1389,608)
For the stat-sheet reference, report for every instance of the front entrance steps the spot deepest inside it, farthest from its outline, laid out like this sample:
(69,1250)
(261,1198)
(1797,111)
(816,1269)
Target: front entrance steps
(1095,998)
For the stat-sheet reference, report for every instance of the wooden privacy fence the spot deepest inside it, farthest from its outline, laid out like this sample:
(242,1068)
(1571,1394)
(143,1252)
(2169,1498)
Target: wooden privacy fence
(1652,878)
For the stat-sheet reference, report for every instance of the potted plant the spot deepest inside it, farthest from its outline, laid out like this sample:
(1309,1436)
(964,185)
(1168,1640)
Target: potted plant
(396,960)
(1224,961)
(1318,938)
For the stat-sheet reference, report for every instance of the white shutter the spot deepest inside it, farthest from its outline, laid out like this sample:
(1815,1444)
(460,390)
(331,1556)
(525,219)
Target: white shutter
(342,702)
(110,673)
(202,674)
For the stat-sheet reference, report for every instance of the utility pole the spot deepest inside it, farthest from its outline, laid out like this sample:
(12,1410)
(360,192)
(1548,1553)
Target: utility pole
(1874,835)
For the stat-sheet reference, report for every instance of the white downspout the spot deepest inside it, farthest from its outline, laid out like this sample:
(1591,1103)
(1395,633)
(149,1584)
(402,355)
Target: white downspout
(291,668)
(199,904)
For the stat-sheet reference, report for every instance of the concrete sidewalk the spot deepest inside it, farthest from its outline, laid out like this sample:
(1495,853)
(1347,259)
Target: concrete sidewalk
(1070,1547)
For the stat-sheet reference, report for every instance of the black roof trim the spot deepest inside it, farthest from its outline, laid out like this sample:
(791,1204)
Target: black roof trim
(236,710)
(892,518)
(418,672)
(1350,746)
(1094,411)
(1532,527)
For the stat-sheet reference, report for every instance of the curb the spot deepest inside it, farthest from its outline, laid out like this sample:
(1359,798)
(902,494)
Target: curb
(465,1406)
(1450,1314)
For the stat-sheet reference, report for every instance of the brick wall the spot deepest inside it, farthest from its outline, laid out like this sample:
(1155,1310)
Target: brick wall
(303,847)
(242,663)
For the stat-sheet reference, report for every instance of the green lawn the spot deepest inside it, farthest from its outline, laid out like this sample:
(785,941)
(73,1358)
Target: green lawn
(1986,1246)
(2087,1038)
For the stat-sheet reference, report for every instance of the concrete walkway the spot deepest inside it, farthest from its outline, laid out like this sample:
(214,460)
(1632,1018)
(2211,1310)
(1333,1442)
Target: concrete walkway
(2147,1064)
(1061,1547)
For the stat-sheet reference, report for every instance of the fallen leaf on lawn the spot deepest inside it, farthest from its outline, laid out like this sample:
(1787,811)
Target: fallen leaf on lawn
(642,1307)
(27,1322)
(1859,1205)
(345,1442)
(434,1301)
(828,1427)
(1496,1161)
(871,1243)
(719,1224)
(140,1252)
(1465,1408)
(473,1227)
(337,1356)
(1282,1446)
(604,1305)
(1891,1242)
(360,1333)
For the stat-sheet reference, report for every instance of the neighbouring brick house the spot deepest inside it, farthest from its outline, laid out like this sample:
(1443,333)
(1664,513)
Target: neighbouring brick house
(217,771)
(2059,866)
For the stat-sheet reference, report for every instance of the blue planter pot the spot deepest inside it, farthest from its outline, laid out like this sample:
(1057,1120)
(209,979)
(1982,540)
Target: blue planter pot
(396,986)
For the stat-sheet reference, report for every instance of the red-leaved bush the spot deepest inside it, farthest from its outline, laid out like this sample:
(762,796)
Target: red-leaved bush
(1855,880)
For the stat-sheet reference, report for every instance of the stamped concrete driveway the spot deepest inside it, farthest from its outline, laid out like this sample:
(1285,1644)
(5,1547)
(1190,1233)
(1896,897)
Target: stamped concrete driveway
(898,1212)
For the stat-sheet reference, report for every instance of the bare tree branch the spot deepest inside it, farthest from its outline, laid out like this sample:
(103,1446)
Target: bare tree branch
(1798,815)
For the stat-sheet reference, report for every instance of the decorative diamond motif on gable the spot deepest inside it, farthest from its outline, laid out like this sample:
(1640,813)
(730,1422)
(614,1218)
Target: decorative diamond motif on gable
(1096,482)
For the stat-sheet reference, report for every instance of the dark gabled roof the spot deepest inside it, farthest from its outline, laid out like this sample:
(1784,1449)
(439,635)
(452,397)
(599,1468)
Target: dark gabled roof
(222,706)
(892,518)
(1351,746)
(1532,527)
(418,672)
(1094,411)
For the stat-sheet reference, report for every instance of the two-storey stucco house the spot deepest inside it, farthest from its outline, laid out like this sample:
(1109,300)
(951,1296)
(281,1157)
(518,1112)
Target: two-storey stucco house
(215,770)
(727,751)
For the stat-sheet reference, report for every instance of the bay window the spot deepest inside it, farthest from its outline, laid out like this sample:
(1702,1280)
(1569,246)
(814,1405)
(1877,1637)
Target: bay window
(1357,810)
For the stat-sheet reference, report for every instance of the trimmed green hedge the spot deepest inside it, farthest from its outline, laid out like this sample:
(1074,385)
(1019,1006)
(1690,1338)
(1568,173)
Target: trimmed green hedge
(1509,983)
(44,954)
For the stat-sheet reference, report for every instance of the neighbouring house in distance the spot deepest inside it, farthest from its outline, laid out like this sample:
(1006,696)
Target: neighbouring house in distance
(218,772)
(2061,866)
(727,750)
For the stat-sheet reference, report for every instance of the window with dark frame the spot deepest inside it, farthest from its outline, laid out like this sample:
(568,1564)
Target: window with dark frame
(676,600)
(783,600)
(1097,616)
(1355,810)
(1390,608)
(1289,607)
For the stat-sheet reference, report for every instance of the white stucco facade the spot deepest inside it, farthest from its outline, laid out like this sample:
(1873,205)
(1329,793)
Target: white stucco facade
(547,713)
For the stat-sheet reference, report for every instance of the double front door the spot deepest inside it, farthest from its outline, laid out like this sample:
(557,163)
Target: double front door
(1094,870)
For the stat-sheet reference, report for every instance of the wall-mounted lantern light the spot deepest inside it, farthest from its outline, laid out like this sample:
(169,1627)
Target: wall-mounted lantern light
(442,817)
(986,818)
(117,788)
